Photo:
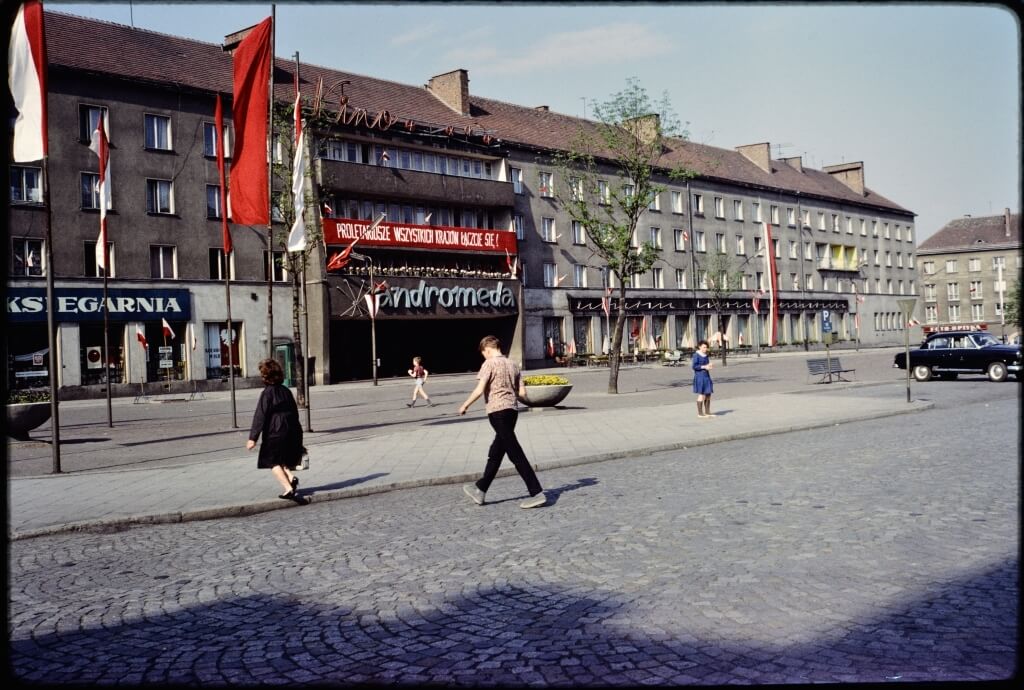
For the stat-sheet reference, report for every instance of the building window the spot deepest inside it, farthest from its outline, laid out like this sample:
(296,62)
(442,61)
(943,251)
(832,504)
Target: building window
(90,190)
(973,265)
(755,211)
(849,225)
(795,280)
(929,292)
(210,142)
(658,278)
(217,263)
(89,119)
(158,132)
(909,235)
(821,220)
(26,185)
(656,238)
(808,281)
(953,291)
(835,222)
(679,239)
(793,250)
(517,226)
(27,257)
(163,261)
(517,179)
(698,204)
(680,279)
(655,202)
(632,240)
(576,188)
(888,258)
(874,228)
(759,279)
(603,193)
(954,313)
(698,239)
(929,267)
(775,215)
(719,207)
(931,314)
(899,233)
(775,248)
(549,275)
(740,245)
(702,280)
(899,260)
(808,251)
(863,228)
(976,290)
(805,218)
(951,266)
(275,263)
(578,235)
(825,283)
(677,202)
(977,312)
(876,257)
(720,242)
(93,269)
(737,209)
(885,230)
(159,198)
(547,232)
(579,275)
(547,185)
(791,217)
(213,207)
(997,263)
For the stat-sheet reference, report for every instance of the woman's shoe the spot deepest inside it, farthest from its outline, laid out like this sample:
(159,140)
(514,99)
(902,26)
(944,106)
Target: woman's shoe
(290,496)
(295,483)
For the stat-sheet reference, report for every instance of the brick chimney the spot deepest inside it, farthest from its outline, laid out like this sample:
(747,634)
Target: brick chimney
(542,108)
(644,127)
(850,174)
(452,89)
(1006,220)
(758,154)
(796,162)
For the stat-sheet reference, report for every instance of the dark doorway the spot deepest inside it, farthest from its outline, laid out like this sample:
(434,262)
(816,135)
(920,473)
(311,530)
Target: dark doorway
(446,345)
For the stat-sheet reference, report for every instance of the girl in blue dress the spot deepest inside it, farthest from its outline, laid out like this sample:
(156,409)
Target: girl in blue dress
(702,385)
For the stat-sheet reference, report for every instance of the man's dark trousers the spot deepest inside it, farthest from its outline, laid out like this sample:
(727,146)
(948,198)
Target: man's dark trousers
(505,441)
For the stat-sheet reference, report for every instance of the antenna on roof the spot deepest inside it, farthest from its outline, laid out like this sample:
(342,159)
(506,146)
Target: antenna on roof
(131,14)
(778,148)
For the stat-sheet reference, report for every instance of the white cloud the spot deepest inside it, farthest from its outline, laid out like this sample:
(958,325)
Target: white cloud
(417,35)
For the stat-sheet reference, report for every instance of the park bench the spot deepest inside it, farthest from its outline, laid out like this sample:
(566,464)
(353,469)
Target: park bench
(825,369)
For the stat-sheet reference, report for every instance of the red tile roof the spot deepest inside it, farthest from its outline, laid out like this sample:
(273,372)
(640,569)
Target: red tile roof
(984,232)
(117,50)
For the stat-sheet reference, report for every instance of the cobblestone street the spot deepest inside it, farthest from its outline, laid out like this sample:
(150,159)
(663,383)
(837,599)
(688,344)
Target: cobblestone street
(869,552)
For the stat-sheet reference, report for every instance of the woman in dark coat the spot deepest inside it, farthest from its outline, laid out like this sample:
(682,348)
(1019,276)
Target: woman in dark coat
(702,384)
(277,419)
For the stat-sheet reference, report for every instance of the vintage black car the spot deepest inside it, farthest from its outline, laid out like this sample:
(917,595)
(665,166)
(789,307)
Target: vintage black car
(948,354)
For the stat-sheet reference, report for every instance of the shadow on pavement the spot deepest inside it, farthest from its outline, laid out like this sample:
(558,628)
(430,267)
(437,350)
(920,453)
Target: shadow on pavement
(342,485)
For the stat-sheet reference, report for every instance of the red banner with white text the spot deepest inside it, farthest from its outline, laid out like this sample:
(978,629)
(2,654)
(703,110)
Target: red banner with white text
(341,231)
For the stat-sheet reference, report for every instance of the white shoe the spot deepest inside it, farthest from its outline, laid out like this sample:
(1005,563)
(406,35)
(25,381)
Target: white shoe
(534,501)
(476,494)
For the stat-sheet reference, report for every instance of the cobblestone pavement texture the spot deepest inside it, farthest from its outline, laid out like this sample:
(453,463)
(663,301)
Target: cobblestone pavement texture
(877,551)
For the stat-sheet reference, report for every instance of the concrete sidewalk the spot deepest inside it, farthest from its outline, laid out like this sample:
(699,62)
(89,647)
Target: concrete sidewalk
(447,450)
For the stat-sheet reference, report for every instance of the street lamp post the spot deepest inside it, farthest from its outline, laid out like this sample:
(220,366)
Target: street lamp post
(907,307)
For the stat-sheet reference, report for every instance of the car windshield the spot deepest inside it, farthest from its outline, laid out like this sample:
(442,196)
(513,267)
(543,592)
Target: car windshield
(985,339)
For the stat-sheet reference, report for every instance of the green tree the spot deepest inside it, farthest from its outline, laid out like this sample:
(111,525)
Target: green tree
(723,277)
(611,170)
(1012,307)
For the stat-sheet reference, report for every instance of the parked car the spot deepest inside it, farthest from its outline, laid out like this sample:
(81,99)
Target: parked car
(945,355)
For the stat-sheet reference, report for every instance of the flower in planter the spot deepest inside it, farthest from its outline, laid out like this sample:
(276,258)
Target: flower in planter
(545,380)
(20,397)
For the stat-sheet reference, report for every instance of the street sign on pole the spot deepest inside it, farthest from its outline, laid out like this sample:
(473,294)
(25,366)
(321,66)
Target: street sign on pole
(826,321)
(907,308)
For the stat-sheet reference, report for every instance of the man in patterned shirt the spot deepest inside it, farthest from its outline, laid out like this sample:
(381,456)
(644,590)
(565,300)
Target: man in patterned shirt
(499,381)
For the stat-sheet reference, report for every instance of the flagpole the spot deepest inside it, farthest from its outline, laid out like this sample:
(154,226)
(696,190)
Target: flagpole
(231,335)
(106,328)
(305,304)
(51,326)
(270,188)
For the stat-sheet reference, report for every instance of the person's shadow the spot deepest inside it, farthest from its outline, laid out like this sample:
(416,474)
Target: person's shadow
(553,494)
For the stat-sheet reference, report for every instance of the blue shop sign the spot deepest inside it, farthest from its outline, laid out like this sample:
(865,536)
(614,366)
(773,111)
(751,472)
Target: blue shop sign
(27,305)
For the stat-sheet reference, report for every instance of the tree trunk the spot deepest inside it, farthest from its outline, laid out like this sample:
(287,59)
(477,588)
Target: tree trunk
(300,374)
(721,338)
(615,345)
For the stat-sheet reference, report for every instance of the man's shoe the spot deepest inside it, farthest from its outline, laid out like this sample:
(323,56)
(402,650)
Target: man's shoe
(534,501)
(476,494)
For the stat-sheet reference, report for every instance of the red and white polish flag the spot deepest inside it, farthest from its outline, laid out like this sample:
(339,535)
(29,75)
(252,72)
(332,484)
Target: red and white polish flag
(26,58)
(772,335)
(100,146)
(297,236)
(168,333)
(141,337)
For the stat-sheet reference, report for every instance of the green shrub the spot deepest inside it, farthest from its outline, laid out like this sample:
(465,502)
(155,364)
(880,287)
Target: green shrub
(17,397)
(545,380)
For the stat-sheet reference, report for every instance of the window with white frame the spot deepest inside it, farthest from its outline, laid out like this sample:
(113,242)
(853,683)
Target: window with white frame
(928,267)
(159,196)
(952,291)
(885,230)
(808,281)
(547,184)
(998,262)
(698,241)
(158,132)
(951,266)
(973,265)
(876,257)
(755,211)
(612,282)
(702,279)
(931,314)
(805,219)
(744,282)
(633,240)
(516,175)
(719,207)
(929,292)
(163,261)
(26,185)
(912,290)
(680,279)
(90,188)
(658,278)
(898,233)
(677,202)
(849,225)
(737,209)
(698,204)
(720,243)
(27,257)
(808,251)
(774,215)
(635,279)
(825,281)
(604,194)
(976,289)
(679,239)
(910,237)
(794,252)
(576,188)
(655,204)
(213,205)
(579,275)
(210,141)
(93,269)
(274,265)
(954,313)
(656,238)
(547,232)
(759,280)
(878,285)
(758,243)
(863,228)
(517,226)
(628,191)
(775,247)
(217,263)
(741,247)
(835,222)
(900,287)
(791,217)
(578,234)
(549,274)
(888,258)
(794,279)
(821,220)
(89,119)
(899,260)
(977,312)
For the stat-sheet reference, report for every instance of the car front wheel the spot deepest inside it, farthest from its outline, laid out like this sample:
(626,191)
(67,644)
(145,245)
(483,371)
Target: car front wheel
(997,372)
(922,373)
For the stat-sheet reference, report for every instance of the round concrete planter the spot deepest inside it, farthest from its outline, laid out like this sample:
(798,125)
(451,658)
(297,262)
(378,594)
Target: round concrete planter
(546,396)
(24,417)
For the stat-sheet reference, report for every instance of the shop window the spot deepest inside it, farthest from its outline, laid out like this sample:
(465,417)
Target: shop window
(91,354)
(216,343)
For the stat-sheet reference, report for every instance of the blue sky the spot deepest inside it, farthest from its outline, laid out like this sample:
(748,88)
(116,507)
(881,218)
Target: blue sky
(927,96)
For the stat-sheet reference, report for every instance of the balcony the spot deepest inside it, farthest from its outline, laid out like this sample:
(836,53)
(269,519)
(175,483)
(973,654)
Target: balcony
(828,264)
(394,183)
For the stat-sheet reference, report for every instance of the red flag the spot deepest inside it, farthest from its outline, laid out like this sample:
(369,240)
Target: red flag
(168,333)
(551,347)
(100,146)
(326,211)
(250,202)
(225,230)
(606,302)
(141,337)
(26,58)
(341,259)
(755,298)
(297,237)
(513,264)
(773,287)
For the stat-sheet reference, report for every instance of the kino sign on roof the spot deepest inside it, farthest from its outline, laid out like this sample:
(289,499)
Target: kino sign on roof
(341,231)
